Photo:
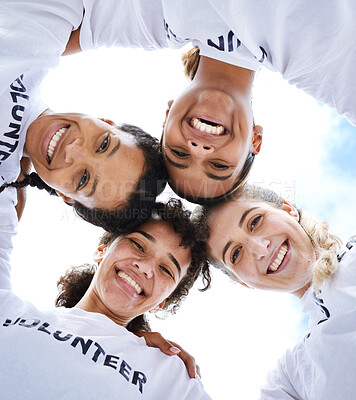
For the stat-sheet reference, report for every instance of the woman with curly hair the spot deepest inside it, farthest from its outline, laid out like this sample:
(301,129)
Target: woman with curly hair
(261,241)
(85,349)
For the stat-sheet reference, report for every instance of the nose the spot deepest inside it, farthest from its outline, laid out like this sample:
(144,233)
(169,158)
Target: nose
(145,266)
(259,247)
(73,151)
(199,149)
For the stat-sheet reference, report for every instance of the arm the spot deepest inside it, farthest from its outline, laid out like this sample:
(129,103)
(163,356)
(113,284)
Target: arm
(155,339)
(280,384)
(73,45)
(8,225)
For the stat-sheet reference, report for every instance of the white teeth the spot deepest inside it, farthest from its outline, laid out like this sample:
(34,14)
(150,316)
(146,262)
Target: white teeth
(278,260)
(53,142)
(203,127)
(130,281)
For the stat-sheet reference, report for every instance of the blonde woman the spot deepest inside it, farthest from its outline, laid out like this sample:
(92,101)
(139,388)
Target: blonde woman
(261,241)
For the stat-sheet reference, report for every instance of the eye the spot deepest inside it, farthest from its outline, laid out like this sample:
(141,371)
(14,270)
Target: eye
(218,165)
(235,254)
(104,145)
(179,154)
(83,181)
(255,221)
(137,245)
(166,271)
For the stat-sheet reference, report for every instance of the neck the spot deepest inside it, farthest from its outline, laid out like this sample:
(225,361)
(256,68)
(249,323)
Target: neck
(226,77)
(91,302)
(300,292)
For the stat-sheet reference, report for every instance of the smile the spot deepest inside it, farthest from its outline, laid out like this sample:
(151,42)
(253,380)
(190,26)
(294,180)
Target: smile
(53,143)
(278,260)
(130,282)
(206,126)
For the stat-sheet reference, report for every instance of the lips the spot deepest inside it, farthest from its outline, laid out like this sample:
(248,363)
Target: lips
(276,264)
(207,126)
(53,137)
(130,281)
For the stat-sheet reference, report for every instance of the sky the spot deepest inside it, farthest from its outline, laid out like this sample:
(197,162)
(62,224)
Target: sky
(235,334)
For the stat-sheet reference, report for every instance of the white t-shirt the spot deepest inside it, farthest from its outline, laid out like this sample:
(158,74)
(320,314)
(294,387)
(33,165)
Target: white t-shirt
(20,105)
(73,354)
(322,365)
(311,43)
(33,35)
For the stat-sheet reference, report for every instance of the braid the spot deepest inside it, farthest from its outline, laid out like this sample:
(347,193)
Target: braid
(32,180)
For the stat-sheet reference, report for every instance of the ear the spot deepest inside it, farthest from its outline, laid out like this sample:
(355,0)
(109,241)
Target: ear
(65,198)
(108,121)
(169,104)
(257,139)
(291,210)
(99,253)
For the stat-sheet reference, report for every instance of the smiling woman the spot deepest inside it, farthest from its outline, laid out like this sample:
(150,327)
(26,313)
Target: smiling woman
(263,242)
(210,140)
(152,267)
(111,175)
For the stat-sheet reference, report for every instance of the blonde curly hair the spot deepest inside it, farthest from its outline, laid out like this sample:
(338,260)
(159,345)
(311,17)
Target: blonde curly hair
(325,244)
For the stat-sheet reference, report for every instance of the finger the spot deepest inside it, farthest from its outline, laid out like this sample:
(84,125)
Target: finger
(189,361)
(155,339)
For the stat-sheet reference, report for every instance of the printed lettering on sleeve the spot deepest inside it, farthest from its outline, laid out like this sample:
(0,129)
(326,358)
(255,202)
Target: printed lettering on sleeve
(9,139)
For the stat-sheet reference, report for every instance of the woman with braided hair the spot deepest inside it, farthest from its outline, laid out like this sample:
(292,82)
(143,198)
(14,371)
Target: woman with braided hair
(261,241)
(109,174)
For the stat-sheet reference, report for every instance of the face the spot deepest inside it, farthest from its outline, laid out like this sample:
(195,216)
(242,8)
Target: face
(207,137)
(85,159)
(139,271)
(262,246)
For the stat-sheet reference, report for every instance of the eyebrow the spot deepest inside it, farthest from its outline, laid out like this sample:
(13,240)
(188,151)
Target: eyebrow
(115,149)
(175,262)
(147,236)
(170,255)
(93,189)
(228,244)
(244,215)
(180,166)
(112,152)
(208,174)
(216,177)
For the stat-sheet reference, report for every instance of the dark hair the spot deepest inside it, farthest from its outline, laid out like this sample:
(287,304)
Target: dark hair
(205,201)
(73,285)
(137,209)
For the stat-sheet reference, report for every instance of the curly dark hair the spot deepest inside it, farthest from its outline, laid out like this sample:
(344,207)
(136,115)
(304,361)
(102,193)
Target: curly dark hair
(73,285)
(138,208)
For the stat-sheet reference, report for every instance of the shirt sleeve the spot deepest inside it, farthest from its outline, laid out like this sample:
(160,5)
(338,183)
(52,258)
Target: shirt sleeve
(8,227)
(279,384)
(240,57)
(138,24)
(197,392)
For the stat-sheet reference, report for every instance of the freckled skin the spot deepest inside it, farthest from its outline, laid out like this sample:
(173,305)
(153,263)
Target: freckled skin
(257,242)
